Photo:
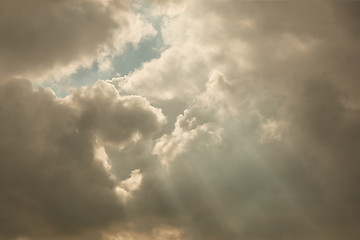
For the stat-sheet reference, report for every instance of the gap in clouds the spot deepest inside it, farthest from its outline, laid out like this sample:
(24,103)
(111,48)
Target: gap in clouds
(131,58)
(261,141)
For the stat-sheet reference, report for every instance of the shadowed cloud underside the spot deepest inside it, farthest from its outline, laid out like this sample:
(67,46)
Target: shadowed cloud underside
(226,120)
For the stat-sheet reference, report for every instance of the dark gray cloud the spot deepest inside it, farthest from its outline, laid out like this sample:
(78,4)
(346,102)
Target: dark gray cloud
(51,182)
(348,13)
(266,147)
(38,36)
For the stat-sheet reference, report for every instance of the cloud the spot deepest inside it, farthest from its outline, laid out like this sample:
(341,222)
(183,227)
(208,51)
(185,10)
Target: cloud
(42,37)
(245,186)
(129,185)
(348,13)
(261,142)
(52,183)
(278,89)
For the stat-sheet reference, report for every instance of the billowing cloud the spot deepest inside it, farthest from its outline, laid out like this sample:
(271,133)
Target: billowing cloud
(278,90)
(261,141)
(53,182)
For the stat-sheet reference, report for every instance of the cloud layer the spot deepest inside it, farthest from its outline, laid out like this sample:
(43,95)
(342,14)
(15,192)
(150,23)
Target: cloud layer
(261,138)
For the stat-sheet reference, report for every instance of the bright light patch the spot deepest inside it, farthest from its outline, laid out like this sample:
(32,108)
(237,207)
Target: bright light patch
(100,155)
(272,130)
(129,185)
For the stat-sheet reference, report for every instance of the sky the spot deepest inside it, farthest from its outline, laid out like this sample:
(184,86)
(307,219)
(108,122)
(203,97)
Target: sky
(179,120)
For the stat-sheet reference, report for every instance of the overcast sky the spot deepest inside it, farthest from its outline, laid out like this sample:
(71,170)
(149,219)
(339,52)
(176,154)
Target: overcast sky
(179,120)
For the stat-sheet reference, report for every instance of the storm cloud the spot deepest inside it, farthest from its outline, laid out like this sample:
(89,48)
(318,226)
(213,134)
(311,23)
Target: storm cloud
(52,180)
(247,126)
